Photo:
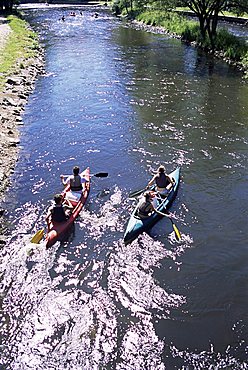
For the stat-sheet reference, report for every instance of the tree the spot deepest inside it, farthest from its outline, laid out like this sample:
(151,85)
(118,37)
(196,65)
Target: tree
(238,6)
(208,12)
(6,5)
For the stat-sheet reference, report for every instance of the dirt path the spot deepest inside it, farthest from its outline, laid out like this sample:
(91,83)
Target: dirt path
(4,32)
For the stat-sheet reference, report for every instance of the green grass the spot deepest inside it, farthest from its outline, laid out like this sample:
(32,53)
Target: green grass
(170,21)
(233,47)
(22,44)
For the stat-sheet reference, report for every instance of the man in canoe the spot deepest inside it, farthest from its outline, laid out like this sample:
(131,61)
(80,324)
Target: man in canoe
(146,204)
(58,212)
(76,184)
(163,182)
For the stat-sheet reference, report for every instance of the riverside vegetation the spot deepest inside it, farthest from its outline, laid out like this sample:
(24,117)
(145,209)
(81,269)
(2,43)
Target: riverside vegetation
(22,45)
(231,48)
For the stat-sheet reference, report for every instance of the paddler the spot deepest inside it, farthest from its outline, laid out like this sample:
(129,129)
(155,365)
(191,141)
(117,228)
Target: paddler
(76,181)
(58,212)
(163,181)
(77,184)
(146,204)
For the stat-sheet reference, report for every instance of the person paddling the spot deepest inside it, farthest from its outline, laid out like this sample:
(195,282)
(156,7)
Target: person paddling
(76,181)
(163,182)
(146,205)
(58,212)
(77,184)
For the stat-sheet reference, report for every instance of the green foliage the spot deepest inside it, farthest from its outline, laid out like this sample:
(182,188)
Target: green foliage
(168,20)
(232,46)
(117,7)
(164,5)
(22,43)
(140,5)
(239,7)
(244,62)
(192,33)
(122,7)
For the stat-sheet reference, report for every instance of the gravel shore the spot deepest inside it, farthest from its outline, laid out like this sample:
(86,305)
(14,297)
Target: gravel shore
(12,104)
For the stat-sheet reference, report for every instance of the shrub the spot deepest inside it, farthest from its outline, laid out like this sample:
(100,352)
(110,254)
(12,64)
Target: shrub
(232,46)
(192,33)
(244,62)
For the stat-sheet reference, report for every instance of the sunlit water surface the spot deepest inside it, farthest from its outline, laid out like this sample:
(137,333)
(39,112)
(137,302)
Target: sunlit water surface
(123,101)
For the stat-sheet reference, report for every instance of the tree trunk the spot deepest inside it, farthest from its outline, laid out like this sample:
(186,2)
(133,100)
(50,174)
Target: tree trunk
(202,25)
(212,27)
(8,5)
(215,22)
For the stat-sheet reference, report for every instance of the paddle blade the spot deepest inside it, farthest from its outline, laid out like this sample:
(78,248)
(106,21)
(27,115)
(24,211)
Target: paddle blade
(136,193)
(177,232)
(101,174)
(37,237)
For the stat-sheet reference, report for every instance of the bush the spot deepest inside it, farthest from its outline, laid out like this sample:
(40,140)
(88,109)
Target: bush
(232,46)
(244,62)
(192,33)
(118,7)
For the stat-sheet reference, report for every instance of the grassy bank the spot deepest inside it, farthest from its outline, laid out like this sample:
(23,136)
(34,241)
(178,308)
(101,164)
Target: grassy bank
(22,43)
(228,46)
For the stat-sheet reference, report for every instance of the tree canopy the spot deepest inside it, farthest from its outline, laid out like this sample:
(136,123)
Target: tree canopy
(6,5)
(238,6)
(208,11)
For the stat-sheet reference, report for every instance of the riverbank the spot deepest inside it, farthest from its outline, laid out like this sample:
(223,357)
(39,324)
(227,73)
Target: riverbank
(19,82)
(228,47)
(159,29)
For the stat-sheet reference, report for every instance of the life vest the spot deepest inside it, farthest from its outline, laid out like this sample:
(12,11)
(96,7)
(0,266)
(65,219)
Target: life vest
(58,214)
(144,209)
(162,180)
(75,183)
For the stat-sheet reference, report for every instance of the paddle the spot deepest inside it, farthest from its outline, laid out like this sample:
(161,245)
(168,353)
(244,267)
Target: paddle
(38,236)
(99,174)
(177,232)
(136,193)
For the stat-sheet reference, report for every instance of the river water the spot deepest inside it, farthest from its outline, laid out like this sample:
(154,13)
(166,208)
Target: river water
(122,101)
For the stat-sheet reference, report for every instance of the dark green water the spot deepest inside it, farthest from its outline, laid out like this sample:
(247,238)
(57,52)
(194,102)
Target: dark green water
(122,101)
